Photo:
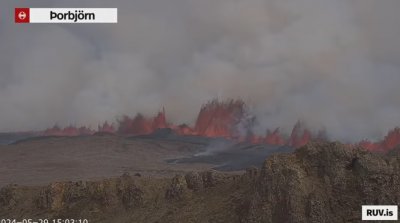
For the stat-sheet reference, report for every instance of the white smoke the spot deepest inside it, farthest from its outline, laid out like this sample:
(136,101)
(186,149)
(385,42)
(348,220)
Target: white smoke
(334,64)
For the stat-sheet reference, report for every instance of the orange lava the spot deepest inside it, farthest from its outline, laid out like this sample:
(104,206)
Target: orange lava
(391,140)
(274,138)
(220,119)
(107,128)
(300,136)
(68,131)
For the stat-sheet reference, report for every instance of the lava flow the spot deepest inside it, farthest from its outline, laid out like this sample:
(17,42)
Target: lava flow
(218,119)
(68,131)
(391,140)
(227,119)
(141,125)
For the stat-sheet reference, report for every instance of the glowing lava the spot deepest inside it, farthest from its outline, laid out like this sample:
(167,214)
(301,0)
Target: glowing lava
(274,138)
(228,119)
(220,119)
(68,131)
(391,140)
(106,128)
(300,136)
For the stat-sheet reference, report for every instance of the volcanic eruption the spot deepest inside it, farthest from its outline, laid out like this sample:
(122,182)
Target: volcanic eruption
(228,119)
(140,125)
(391,140)
(219,119)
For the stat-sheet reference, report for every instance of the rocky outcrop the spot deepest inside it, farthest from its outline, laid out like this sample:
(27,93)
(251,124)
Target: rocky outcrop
(177,188)
(51,197)
(128,192)
(64,196)
(212,178)
(324,182)
(320,182)
(194,181)
(8,196)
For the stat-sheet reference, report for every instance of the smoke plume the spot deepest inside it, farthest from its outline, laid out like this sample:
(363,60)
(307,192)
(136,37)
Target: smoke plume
(333,64)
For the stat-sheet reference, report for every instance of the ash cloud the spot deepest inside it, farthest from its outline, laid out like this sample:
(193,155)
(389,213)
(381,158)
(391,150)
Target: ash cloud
(333,64)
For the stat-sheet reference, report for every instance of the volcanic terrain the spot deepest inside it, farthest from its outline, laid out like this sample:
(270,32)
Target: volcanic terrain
(40,160)
(320,182)
(149,170)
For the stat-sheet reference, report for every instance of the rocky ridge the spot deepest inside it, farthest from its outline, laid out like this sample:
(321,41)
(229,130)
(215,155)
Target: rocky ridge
(320,182)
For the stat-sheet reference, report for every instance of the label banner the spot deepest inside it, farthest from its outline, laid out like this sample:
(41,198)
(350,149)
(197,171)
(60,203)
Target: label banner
(379,212)
(66,15)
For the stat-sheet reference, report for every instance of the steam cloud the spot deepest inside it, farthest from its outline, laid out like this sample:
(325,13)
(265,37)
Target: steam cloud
(334,64)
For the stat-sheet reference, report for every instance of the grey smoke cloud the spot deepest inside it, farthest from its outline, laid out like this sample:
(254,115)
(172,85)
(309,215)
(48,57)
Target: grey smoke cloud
(334,64)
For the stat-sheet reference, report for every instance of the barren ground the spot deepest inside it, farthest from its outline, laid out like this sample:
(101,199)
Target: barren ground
(41,161)
(38,161)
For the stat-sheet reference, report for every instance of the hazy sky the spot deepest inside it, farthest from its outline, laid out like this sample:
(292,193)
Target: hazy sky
(330,63)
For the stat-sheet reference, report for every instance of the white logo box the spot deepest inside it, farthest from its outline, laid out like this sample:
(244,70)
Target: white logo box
(73,15)
(380,212)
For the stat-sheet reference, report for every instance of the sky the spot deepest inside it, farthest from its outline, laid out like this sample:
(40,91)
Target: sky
(333,64)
